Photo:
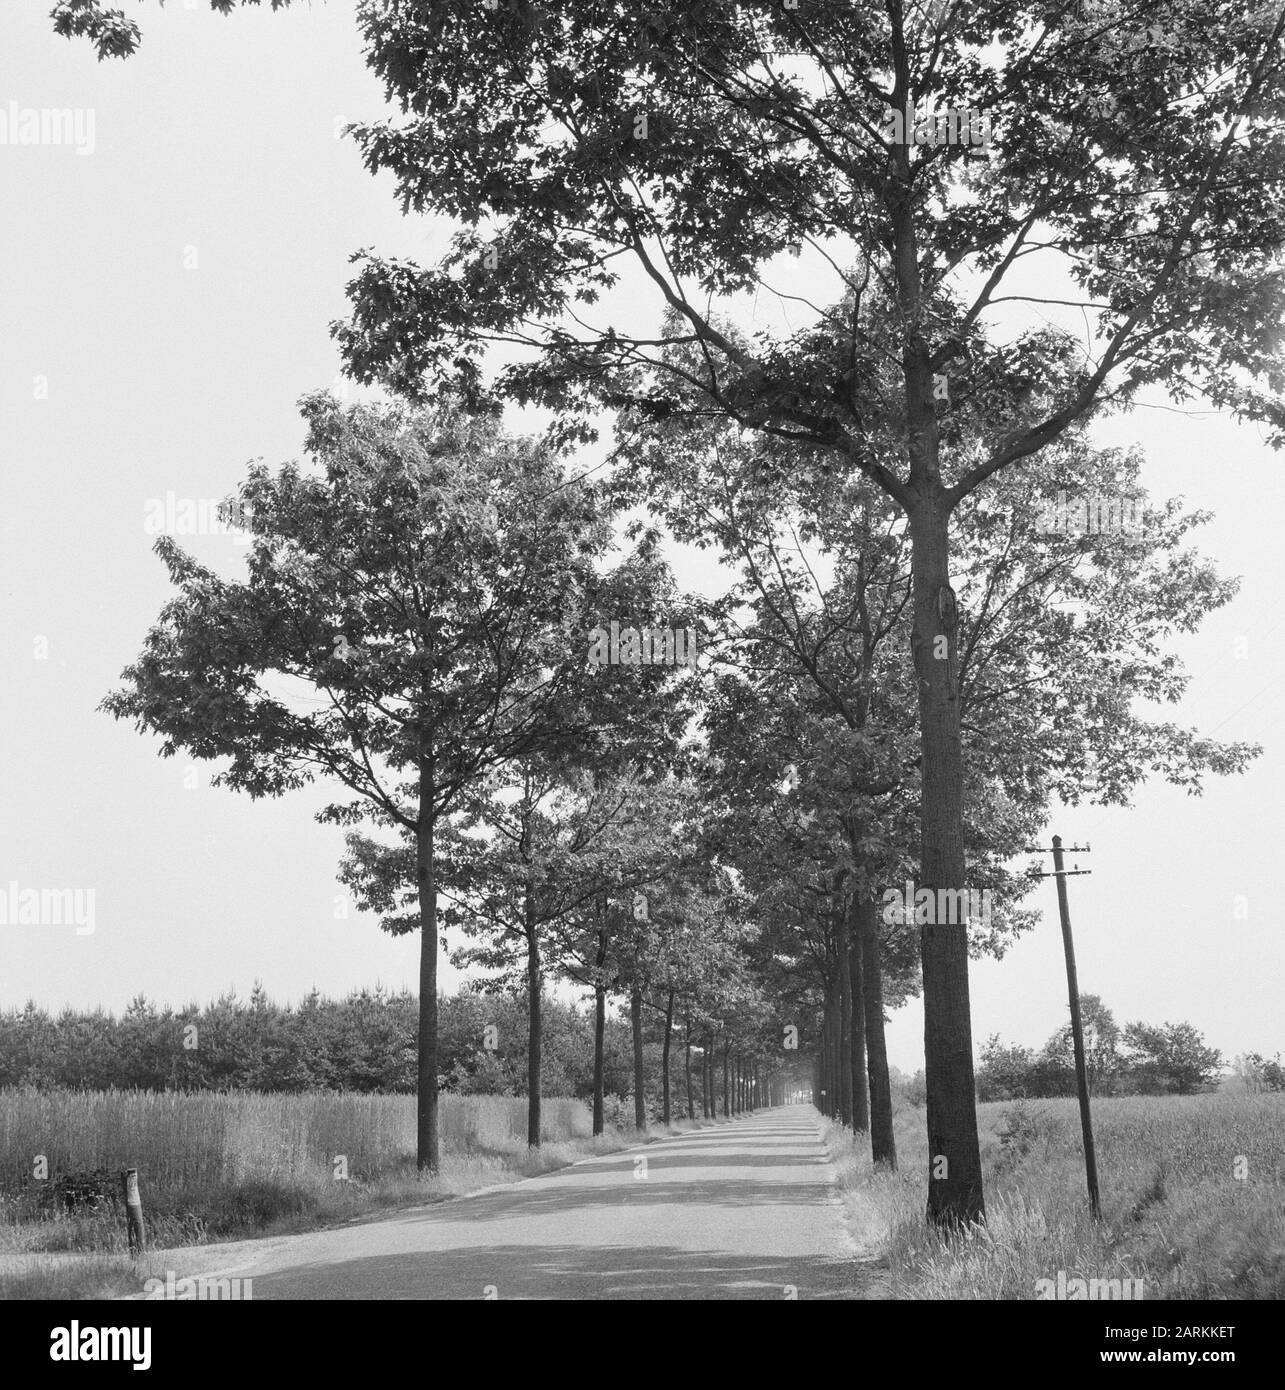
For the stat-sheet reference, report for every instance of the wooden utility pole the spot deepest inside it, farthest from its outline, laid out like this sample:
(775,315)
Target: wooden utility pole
(1061,874)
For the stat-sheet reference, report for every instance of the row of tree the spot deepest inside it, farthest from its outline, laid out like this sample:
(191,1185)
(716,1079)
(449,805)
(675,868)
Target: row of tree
(711,845)
(924,694)
(364,1042)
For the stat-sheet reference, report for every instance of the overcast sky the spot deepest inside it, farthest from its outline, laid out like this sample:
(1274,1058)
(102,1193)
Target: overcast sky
(165,297)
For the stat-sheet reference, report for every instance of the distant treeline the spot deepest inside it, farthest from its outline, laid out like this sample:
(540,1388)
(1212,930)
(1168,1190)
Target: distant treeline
(1138,1059)
(364,1042)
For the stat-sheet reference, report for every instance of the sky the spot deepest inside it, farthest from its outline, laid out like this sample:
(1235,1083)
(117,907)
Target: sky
(167,281)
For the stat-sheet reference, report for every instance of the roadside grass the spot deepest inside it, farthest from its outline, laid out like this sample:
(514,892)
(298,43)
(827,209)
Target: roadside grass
(68,1277)
(1174,1212)
(217,1166)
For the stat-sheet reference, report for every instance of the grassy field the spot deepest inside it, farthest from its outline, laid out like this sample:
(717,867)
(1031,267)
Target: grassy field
(218,1166)
(1175,1212)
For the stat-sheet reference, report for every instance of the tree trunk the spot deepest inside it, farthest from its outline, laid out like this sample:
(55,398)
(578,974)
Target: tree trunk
(883,1147)
(845,1017)
(713,1076)
(687,1065)
(535,1028)
(836,1051)
(856,991)
(832,1047)
(664,1063)
(426,1140)
(727,1098)
(823,1061)
(705,1048)
(954,1156)
(635,1017)
(599,1018)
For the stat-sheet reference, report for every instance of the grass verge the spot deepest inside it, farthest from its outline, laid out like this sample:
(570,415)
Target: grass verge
(1193,1200)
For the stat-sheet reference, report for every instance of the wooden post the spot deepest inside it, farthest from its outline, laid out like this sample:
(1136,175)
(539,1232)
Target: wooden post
(1077,1029)
(133,1210)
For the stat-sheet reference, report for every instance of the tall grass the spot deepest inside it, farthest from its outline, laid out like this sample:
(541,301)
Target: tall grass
(211,1137)
(216,1164)
(1175,1213)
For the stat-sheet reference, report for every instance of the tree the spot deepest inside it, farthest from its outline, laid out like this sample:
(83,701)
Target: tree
(630,837)
(688,943)
(423,590)
(112,33)
(1143,147)
(554,843)
(1170,1057)
(555,836)
(1154,1060)
(1004,1070)
(1101,1050)
(1260,1073)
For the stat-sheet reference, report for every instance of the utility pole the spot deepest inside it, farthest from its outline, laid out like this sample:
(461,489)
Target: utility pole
(1061,873)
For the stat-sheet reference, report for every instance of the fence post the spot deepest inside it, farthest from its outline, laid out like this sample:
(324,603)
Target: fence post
(133,1210)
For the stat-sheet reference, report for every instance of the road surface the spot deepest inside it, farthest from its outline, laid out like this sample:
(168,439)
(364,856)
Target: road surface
(744,1210)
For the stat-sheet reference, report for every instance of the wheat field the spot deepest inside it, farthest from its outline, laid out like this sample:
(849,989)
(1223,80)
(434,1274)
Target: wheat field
(177,1139)
(218,1164)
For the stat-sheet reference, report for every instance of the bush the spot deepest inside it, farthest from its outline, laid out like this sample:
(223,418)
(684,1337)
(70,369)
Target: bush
(618,1112)
(1023,1129)
(1004,1072)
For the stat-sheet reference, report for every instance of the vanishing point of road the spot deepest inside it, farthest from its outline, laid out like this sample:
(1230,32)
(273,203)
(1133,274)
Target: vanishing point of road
(746,1209)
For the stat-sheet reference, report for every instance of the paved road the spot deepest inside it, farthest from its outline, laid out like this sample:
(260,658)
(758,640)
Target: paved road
(746,1210)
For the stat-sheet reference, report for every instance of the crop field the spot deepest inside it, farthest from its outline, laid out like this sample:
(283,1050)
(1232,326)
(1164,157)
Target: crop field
(214,1164)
